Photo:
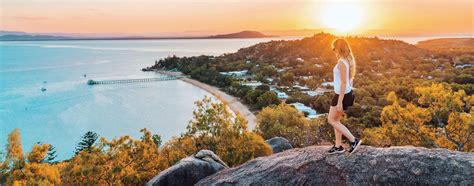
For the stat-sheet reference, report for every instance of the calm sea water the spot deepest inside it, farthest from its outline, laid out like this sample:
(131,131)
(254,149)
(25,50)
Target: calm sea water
(69,107)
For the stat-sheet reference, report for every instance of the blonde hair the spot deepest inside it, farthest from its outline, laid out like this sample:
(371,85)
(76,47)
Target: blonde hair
(342,49)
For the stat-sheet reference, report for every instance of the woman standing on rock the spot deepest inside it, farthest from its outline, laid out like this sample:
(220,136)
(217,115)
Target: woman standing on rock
(344,72)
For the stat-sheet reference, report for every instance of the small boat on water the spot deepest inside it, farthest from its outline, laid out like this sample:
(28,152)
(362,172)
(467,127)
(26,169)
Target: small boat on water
(43,89)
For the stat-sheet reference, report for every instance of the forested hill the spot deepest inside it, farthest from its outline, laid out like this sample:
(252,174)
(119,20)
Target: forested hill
(383,66)
(374,55)
(318,46)
(243,34)
(447,43)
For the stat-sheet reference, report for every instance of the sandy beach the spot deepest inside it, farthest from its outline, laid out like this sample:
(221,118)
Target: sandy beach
(232,102)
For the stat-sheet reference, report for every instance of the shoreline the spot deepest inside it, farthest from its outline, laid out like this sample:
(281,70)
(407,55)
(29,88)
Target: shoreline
(232,102)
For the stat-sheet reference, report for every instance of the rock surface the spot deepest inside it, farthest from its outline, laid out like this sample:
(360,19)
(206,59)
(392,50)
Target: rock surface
(404,165)
(209,156)
(190,170)
(279,144)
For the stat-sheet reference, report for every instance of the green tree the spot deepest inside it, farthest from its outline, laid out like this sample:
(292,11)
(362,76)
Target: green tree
(268,71)
(214,127)
(252,95)
(120,161)
(87,142)
(443,118)
(266,99)
(285,121)
(27,169)
(51,155)
(157,140)
(3,167)
(287,78)
(321,103)
(15,160)
(402,126)
(263,88)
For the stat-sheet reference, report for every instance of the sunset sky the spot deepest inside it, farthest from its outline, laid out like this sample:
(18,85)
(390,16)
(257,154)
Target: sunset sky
(220,16)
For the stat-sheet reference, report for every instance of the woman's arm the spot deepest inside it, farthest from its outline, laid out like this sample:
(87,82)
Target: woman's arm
(342,89)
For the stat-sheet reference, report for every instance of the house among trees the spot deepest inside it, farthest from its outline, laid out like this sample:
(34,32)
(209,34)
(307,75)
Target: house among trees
(252,84)
(313,93)
(321,91)
(305,77)
(325,84)
(270,80)
(283,69)
(280,94)
(464,65)
(301,88)
(308,111)
(235,73)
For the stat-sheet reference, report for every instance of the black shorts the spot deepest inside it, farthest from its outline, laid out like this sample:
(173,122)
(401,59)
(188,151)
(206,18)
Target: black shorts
(346,102)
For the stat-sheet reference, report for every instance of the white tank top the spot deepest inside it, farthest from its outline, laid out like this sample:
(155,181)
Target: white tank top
(337,78)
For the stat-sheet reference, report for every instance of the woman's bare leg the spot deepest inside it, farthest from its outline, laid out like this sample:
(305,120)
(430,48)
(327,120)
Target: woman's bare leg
(334,119)
(338,138)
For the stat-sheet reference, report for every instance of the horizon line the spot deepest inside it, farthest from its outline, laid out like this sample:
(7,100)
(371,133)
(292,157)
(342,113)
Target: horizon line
(188,34)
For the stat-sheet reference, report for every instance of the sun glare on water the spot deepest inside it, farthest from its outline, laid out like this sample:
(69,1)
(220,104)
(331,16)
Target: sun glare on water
(343,17)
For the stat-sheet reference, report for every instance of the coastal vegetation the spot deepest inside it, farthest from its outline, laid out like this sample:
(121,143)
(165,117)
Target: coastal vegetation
(285,121)
(129,161)
(198,68)
(385,68)
(440,118)
(17,167)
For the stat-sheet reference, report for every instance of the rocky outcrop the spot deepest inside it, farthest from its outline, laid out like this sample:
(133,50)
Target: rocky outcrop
(209,156)
(279,144)
(190,170)
(368,166)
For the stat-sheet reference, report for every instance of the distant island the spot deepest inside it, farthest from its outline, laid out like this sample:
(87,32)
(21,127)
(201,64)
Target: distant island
(23,36)
(243,34)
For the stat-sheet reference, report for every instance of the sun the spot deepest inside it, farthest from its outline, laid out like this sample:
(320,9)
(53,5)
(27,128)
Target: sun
(343,17)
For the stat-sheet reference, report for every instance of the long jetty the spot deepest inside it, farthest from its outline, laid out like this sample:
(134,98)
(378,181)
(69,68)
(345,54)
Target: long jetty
(141,80)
